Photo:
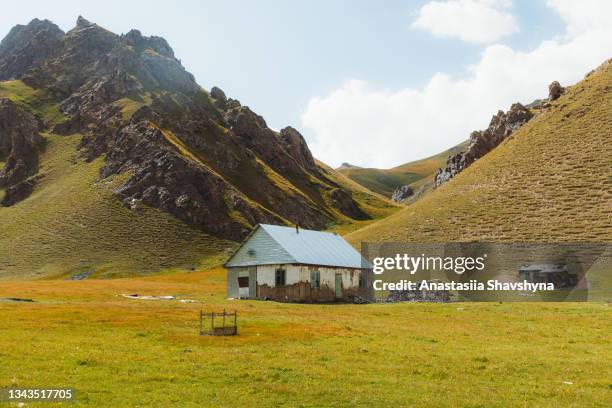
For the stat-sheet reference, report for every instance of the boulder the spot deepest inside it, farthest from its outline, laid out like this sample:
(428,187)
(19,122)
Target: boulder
(296,146)
(218,94)
(402,193)
(555,90)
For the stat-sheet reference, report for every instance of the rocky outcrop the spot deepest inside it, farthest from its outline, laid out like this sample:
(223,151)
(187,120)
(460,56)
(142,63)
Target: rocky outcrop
(27,46)
(20,143)
(343,201)
(402,193)
(501,126)
(296,146)
(162,178)
(555,90)
(217,93)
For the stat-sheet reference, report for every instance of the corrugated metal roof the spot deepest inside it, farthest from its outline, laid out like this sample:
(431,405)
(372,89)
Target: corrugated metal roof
(311,247)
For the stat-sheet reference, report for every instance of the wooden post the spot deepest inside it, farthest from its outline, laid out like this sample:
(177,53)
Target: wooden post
(201,318)
(223,320)
(212,323)
(236,321)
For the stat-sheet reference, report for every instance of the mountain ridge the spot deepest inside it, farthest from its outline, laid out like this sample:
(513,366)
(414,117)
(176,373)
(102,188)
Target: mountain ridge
(161,140)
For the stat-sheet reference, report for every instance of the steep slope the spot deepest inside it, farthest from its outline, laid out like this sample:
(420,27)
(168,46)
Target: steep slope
(71,225)
(386,181)
(150,151)
(550,181)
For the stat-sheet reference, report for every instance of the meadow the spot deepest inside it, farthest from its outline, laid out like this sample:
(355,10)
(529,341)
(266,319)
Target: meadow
(117,351)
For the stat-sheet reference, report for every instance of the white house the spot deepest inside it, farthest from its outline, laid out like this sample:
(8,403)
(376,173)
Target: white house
(295,265)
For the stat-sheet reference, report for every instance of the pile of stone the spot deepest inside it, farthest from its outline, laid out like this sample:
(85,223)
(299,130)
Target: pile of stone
(419,296)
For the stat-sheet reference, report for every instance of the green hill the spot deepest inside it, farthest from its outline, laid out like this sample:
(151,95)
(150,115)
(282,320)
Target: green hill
(385,181)
(551,181)
(72,224)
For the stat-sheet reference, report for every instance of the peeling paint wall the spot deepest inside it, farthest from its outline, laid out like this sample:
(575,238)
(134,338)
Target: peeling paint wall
(232,281)
(298,287)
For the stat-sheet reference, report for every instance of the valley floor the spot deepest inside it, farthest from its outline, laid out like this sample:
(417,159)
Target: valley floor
(117,351)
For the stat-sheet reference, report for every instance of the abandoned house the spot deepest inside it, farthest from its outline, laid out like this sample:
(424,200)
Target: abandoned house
(295,265)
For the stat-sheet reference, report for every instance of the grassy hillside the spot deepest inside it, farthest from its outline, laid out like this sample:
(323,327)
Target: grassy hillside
(551,181)
(125,352)
(72,224)
(385,181)
(377,206)
(37,101)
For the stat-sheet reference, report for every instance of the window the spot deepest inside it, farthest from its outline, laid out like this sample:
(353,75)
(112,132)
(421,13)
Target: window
(315,279)
(362,281)
(280,277)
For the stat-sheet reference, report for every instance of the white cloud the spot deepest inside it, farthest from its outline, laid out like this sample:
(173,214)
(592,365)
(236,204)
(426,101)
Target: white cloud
(476,21)
(584,15)
(382,128)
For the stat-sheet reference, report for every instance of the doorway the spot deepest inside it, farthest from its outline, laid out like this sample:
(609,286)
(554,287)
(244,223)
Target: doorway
(243,286)
(338,286)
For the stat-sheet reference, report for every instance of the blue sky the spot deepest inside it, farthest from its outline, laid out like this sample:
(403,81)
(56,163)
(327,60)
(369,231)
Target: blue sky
(310,64)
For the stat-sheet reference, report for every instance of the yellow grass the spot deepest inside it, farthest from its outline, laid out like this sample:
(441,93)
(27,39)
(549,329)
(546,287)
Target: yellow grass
(35,100)
(551,181)
(122,352)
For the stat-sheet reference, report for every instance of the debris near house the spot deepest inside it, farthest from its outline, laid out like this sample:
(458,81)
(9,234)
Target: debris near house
(145,297)
(149,297)
(218,324)
(419,295)
(14,299)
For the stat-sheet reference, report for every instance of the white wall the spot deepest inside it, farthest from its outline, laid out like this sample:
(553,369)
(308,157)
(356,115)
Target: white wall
(301,273)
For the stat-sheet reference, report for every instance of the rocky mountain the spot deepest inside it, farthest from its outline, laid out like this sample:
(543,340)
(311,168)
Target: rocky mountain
(160,141)
(549,180)
(502,125)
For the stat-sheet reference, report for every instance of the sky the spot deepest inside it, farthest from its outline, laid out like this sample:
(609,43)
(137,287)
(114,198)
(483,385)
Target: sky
(375,84)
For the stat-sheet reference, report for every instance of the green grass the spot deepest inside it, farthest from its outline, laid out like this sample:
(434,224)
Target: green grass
(36,100)
(72,223)
(385,181)
(550,182)
(129,106)
(374,204)
(121,352)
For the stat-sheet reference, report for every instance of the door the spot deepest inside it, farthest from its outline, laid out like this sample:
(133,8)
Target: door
(338,286)
(243,287)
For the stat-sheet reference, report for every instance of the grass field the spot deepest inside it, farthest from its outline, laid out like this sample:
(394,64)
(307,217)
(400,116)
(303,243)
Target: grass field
(124,352)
